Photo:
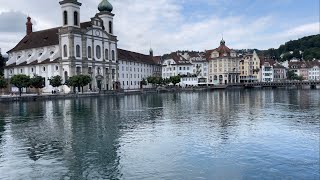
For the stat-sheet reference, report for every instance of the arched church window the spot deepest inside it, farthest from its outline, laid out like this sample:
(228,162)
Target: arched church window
(89,52)
(110,27)
(65,17)
(106,54)
(65,52)
(78,51)
(98,52)
(75,17)
(113,56)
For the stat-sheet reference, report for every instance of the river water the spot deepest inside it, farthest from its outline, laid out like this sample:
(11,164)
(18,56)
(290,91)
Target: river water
(233,134)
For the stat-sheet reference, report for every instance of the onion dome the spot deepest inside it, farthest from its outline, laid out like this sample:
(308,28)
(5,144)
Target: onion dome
(222,42)
(105,6)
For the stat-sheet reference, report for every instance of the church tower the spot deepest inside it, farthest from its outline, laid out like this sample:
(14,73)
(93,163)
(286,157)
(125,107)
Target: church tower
(70,10)
(105,14)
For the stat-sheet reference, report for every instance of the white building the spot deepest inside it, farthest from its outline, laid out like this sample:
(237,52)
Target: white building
(133,67)
(73,48)
(314,70)
(174,64)
(267,72)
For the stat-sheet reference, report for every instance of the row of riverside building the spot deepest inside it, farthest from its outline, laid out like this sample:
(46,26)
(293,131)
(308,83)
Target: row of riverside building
(91,48)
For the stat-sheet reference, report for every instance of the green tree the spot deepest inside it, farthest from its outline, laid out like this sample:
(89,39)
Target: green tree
(37,82)
(3,83)
(143,83)
(20,81)
(55,81)
(2,64)
(84,80)
(175,79)
(79,81)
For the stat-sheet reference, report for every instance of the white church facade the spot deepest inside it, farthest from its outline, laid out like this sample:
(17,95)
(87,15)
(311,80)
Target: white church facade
(73,48)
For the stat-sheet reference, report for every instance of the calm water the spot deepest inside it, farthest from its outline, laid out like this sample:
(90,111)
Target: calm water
(239,134)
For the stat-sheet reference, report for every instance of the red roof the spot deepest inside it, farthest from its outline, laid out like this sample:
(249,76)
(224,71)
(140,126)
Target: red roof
(136,57)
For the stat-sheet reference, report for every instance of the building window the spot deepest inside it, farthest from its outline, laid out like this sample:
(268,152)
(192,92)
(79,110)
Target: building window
(65,18)
(106,54)
(65,52)
(98,52)
(32,70)
(44,69)
(78,51)
(57,68)
(113,56)
(110,27)
(21,71)
(89,52)
(75,17)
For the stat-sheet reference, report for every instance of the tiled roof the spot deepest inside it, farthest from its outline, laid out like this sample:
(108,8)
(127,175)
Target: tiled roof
(48,37)
(38,39)
(135,57)
(178,59)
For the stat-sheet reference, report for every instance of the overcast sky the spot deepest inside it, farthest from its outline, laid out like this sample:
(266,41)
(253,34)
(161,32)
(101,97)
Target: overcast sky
(170,25)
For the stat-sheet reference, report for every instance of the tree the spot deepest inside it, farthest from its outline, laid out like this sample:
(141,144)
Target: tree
(37,82)
(84,80)
(175,79)
(79,81)
(3,83)
(55,81)
(143,83)
(20,81)
(2,64)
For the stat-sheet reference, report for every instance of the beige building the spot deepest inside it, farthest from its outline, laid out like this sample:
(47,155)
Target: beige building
(224,65)
(250,68)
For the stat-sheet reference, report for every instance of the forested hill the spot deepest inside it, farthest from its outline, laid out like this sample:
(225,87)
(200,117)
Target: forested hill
(307,48)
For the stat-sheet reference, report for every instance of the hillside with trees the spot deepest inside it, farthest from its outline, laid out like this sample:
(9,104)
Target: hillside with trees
(306,48)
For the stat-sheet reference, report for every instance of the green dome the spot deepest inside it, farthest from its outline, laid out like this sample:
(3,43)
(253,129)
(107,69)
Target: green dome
(222,42)
(105,6)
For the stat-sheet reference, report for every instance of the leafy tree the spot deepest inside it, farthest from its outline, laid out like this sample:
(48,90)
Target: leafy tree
(175,79)
(79,81)
(3,83)
(55,81)
(37,82)
(84,80)
(20,81)
(144,82)
(73,82)
(2,64)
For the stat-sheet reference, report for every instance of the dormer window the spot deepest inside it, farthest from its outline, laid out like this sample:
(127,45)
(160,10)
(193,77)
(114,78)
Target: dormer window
(51,52)
(29,55)
(18,57)
(40,54)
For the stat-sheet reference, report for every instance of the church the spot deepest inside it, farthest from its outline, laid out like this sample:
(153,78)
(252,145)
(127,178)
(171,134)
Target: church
(74,48)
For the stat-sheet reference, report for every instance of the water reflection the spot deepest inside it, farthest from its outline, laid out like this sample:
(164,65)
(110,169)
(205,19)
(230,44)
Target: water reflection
(222,134)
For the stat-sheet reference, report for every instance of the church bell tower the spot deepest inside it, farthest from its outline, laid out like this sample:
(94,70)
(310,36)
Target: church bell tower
(70,10)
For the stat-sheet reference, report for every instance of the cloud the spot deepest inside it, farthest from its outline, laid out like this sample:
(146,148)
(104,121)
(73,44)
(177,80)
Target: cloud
(12,21)
(167,25)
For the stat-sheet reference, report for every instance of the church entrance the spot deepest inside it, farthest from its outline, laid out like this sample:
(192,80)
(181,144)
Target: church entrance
(99,79)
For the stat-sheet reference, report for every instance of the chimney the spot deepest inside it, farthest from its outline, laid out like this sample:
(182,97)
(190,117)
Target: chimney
(29,26)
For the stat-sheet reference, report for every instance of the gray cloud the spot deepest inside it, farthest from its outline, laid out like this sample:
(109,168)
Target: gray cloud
(12,21)
(161,24)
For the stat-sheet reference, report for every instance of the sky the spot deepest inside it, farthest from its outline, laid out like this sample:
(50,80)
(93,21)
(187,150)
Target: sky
(171,25)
